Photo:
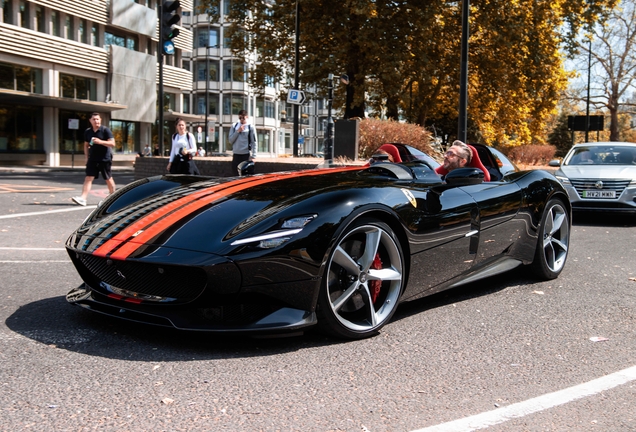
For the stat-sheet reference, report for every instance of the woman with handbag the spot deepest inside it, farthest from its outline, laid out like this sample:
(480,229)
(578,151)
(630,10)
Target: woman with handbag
(183,150)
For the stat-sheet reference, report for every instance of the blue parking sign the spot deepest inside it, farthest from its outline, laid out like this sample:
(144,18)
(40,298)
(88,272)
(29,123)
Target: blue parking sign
(296,97)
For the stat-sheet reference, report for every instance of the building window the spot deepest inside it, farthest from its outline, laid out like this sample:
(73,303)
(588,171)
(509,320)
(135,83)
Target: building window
(76,87)
(24,14)
(186,104)
(265,108)
(55,24)
(39,19)
(232,104)
(68,27)
(169,102)
(118,40)
(262,136)
(68,137)
(20,78)
(234,71)
(7,12)
(213,74)
(82,31)
(94,35)
(207,38)
(213,103)
(131,44)
(125,134)
(21,129)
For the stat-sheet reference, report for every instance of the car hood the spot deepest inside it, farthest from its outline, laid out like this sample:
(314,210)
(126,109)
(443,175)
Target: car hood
(614,172)
(209,216)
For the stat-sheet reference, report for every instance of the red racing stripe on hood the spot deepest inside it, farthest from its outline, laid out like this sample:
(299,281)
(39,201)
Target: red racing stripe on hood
(155,223)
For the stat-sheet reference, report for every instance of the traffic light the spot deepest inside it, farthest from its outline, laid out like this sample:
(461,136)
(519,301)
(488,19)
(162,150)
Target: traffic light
(169,18)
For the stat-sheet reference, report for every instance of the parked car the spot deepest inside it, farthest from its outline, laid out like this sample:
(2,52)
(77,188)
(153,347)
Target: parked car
(336,247)
(600,176)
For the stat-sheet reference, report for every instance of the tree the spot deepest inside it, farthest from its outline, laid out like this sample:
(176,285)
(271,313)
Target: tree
(402,56)
(613,67)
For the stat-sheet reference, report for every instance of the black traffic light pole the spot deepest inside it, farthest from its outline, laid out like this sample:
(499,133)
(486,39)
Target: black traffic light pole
(166,33)
(160,60)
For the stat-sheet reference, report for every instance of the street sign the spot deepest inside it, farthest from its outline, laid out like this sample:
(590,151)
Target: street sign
(210,131)
(168,47)
(296,97)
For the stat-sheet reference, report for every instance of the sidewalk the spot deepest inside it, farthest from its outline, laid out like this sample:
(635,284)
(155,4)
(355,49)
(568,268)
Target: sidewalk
(79,167)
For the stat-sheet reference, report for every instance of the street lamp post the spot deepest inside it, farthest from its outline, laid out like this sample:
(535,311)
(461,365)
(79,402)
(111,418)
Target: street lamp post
(462,127)
(589,81)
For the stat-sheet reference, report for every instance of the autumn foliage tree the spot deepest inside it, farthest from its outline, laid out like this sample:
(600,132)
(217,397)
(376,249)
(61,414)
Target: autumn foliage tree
(403,57)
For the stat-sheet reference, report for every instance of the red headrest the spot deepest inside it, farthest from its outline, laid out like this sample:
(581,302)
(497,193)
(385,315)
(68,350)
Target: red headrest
(475,162)
(393,151)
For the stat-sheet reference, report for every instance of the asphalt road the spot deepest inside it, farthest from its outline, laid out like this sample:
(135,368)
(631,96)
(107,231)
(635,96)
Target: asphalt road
(497,350)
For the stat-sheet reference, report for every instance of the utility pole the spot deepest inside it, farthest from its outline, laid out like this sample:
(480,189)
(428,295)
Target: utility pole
(296,81)
(462,127)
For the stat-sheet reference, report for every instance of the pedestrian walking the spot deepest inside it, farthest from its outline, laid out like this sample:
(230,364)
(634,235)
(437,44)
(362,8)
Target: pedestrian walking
(243,140)
(98,144)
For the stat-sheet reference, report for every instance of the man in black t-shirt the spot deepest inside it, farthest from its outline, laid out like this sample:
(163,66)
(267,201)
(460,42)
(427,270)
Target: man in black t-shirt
(98,142)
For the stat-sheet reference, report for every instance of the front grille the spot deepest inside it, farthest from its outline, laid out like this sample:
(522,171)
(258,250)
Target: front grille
(607,185)
(176,282)
(239,314)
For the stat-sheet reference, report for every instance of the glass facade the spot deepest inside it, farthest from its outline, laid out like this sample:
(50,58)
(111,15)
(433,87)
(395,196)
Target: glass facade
(213,104)
(125,134)
(207,38)
(70,136)
(21,129)
(232,104)
(20,78)
(78,87)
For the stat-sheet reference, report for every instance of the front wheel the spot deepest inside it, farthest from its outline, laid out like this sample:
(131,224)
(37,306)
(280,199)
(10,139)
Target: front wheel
(363,280)
(553,242)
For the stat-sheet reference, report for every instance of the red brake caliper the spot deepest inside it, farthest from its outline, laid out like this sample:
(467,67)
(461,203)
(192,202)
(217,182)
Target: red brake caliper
(375,285)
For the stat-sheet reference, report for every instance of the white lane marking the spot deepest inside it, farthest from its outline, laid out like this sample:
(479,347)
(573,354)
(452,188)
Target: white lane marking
(540,403)
(9,216)
(35,262)
(31,249)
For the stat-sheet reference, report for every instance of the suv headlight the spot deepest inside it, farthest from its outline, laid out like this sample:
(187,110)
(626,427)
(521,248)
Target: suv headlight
(563,179)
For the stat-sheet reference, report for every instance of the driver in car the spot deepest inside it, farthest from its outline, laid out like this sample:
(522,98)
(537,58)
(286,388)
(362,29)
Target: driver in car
(457,156)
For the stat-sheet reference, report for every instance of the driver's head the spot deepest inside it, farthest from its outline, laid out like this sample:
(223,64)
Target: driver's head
(457,156)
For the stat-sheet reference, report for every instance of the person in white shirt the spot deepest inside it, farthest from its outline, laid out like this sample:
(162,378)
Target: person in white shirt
(183,151)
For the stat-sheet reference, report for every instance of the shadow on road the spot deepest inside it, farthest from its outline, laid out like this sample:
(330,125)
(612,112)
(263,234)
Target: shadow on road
(55,323)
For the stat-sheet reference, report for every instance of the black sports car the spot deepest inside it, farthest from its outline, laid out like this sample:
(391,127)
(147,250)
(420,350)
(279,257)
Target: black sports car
(339,247)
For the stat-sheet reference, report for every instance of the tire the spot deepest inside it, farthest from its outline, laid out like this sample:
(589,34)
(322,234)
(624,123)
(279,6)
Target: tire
(362,281)
(553,241)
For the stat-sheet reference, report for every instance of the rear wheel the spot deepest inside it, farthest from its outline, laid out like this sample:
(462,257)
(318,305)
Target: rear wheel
(362,282)
(553,242)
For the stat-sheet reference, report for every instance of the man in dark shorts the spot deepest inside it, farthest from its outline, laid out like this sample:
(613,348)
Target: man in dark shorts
(98,142)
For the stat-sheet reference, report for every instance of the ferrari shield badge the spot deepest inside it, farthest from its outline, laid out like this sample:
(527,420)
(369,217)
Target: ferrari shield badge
(410,197)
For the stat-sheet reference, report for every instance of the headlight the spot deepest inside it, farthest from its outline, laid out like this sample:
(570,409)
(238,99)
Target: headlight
(273,239)
(297,222)
(563,179)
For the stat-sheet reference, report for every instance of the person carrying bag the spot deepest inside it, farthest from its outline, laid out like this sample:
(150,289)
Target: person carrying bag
(183,150)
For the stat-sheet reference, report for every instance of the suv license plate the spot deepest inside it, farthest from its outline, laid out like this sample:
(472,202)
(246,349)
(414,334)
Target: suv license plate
(599,194)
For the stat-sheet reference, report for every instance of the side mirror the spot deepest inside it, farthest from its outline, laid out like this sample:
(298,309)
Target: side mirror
(554,163)
(464,176)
